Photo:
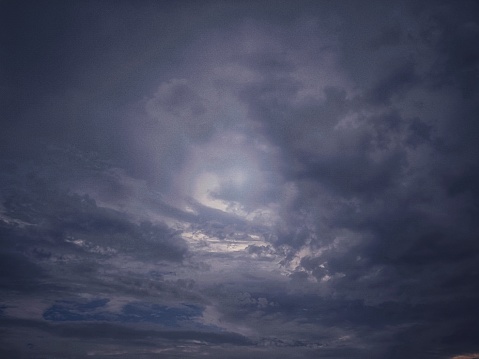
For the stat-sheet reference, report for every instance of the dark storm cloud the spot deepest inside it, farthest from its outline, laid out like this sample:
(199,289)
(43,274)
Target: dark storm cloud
(18,273)
(401,211)
(70,68)
(90,333)
(397,81)
(269,178)
(59,242)
(60,216)
(454,30)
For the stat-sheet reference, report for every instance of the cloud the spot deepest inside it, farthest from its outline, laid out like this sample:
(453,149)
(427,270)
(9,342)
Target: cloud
(466,356)
(18,273)
(239,180)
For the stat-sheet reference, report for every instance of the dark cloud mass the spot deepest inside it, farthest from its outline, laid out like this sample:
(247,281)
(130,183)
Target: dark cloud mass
(239,179)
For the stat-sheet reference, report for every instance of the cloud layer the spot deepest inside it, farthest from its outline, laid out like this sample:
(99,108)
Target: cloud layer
(239,179)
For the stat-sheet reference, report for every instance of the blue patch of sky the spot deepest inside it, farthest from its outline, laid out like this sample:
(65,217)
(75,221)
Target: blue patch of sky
(95,310)
(70,310)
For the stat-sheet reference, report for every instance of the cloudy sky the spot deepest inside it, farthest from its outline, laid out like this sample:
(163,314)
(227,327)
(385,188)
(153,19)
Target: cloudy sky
(239,179)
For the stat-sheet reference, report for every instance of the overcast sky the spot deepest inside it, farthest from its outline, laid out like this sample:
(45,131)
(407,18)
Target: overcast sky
(239,179)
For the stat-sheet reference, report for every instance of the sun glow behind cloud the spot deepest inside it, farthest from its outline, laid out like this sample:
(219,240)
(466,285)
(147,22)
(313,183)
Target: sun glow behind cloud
(209,185)
(233,174)
(228,173)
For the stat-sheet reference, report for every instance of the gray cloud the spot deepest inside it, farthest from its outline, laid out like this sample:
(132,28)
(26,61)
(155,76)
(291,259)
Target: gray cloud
(269,178)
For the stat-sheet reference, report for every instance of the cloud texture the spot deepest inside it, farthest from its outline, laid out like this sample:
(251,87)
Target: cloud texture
(239,179)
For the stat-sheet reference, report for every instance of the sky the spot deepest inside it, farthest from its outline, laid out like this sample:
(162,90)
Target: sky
(239,179)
